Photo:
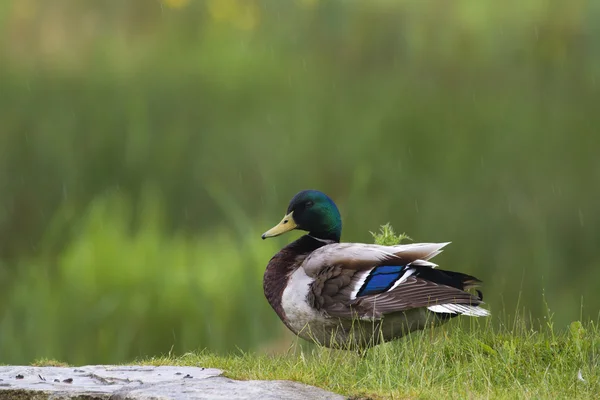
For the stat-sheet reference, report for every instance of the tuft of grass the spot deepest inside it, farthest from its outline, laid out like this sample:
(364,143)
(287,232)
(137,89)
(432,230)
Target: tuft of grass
(48,362)
(388,237)
(454,361)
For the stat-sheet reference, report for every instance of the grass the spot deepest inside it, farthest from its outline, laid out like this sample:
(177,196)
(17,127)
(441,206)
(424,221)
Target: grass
(455,361)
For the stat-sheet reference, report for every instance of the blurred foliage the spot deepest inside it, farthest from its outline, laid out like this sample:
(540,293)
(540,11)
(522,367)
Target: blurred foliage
(145,146)
(117,293)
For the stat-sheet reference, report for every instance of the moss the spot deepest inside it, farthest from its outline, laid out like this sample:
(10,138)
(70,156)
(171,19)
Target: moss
(47,362)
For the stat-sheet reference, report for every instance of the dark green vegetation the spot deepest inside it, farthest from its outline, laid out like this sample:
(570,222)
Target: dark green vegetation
(144,149)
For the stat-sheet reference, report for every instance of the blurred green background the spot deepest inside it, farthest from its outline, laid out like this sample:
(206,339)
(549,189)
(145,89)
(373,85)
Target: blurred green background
(146,145)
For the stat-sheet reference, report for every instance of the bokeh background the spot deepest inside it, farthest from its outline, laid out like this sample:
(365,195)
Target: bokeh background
(146,145)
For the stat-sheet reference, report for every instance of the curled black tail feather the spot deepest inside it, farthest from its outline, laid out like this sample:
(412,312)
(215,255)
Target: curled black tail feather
(457,280)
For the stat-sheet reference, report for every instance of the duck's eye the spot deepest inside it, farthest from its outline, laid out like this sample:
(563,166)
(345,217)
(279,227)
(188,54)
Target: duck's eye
(309,204)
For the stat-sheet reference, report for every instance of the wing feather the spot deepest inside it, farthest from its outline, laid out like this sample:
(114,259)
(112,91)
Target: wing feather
(339,270)
(360,256)
(413,293)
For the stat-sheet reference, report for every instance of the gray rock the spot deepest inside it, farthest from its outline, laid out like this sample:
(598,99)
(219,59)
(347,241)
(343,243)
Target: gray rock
(144,383)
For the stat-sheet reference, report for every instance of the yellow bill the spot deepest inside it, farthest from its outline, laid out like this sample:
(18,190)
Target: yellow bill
(286,225)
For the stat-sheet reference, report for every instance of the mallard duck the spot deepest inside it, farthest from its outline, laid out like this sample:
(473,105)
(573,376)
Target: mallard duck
(356,295)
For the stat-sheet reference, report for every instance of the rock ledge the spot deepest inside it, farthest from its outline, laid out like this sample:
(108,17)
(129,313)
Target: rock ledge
(114,382)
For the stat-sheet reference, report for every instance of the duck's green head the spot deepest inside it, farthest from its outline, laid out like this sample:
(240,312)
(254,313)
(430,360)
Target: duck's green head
(311,211)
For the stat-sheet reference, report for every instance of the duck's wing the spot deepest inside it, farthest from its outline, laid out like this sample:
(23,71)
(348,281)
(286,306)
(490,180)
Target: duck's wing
(369,281)
(361,256)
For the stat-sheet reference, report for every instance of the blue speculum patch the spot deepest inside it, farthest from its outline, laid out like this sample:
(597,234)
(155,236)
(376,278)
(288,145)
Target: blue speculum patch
(381,279)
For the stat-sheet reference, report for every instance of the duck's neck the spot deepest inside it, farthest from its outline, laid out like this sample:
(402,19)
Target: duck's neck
(283,264)
(328,227)
(332,236)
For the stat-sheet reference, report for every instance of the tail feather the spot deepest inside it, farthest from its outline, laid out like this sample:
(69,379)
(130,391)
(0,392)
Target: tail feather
(449,278)
(461,309)
(460,281)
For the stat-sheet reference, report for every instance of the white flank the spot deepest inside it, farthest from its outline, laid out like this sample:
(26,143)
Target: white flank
(294,301)
(463,309)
